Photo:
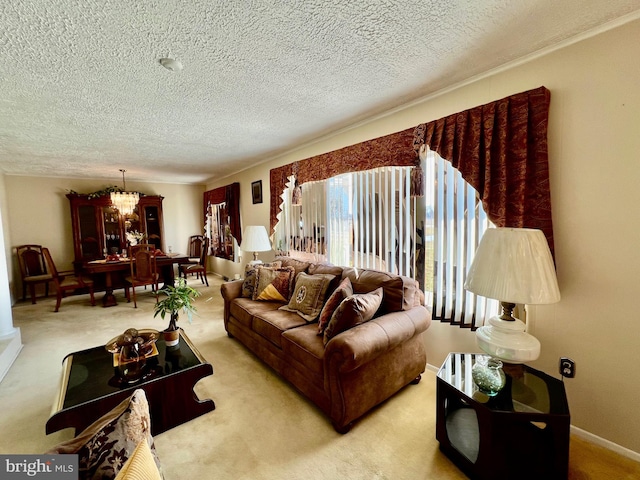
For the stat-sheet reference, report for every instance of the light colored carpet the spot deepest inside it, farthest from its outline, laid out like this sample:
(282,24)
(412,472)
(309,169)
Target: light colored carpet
(261,427)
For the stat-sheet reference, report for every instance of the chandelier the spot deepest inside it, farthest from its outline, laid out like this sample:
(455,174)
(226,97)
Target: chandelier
(125,201)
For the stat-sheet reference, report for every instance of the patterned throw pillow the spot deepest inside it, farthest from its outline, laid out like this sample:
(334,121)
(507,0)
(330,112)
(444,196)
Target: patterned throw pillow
(308,295)
(250,270)
(343,291)
(274,284)
(354,310)
(105,445)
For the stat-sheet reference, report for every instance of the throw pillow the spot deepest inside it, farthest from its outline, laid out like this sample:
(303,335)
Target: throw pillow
(105,445)
(140,466)
(354,310)
(249,283)
(308,295)
(274,283)
(343,291)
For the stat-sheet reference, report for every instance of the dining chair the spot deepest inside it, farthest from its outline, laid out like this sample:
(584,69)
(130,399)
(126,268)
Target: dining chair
(144,270)
(195,250)
(33,270)
(66,281)
(200,269)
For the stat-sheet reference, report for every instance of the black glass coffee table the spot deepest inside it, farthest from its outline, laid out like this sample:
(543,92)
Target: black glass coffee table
(91,386)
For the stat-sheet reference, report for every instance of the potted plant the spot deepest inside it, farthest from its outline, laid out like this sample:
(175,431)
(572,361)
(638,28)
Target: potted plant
(179,297)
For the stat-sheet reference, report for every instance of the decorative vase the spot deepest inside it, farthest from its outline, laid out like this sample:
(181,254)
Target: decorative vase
(131,363)
(488,375)
(171,337)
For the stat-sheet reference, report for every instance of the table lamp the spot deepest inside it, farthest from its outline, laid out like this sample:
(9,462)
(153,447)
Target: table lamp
(255,239)
(513,266)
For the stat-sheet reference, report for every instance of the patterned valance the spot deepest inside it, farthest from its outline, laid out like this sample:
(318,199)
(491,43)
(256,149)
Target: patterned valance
(500,148)
(391,150)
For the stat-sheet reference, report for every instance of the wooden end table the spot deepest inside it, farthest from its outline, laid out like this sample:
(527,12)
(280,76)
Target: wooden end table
(90,387)
(522,432)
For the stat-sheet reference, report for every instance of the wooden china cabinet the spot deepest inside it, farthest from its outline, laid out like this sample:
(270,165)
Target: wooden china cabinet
(98,228)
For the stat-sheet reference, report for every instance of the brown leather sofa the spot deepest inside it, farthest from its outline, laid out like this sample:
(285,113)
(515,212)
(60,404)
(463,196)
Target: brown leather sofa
(358,368)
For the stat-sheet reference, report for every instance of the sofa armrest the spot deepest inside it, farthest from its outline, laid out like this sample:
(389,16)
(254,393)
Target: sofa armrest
(359,345)
(231,290)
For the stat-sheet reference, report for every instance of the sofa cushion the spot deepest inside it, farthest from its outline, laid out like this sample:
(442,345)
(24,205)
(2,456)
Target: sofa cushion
(298,265)
(271,324)
(250,273)
(327,268)
(308,295)
(343,291)
(244,309)
(274,283)
(105,445)
(354,310)
(399,291)
(305,346)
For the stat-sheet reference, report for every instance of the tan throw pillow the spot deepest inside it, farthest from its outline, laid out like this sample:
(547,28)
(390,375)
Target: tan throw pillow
(105,445)
(140,466)
(343,291)
(250,270)
(274,284)
(308,295)
(354,310)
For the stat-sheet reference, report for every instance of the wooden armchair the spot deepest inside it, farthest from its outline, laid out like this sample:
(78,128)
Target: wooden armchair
(144,270)
(33,270)
(200,269)
(66,281)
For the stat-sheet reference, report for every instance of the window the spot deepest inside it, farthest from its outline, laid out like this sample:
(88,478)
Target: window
(222,220)
(369,220)
(218,230)
(361,219)
(452,223)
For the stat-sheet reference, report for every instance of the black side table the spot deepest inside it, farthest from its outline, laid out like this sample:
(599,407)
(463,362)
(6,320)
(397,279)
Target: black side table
(522,432)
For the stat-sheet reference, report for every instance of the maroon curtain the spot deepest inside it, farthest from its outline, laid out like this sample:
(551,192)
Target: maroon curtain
(391,150)
(231,195)
(501,150)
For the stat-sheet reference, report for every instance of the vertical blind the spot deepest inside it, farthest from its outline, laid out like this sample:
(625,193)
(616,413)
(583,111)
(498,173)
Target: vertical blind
(457,221)
(369,220)
(360,219)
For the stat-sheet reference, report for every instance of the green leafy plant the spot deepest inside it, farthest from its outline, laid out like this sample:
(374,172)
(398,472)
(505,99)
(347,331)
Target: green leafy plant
(179,298)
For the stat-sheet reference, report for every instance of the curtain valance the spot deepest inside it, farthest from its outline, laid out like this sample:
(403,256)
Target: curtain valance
(391,150)
(501,150)
(231,195)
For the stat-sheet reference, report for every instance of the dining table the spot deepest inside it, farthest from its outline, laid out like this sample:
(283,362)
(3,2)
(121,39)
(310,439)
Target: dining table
(109,268)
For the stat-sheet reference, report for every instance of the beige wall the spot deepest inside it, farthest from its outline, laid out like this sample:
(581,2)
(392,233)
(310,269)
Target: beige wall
(594,145)
(37,211)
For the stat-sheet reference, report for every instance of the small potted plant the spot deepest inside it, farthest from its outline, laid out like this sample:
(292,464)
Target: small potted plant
(179,297)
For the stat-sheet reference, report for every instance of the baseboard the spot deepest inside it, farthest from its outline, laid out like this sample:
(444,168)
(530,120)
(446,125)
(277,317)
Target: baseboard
(432,368)
(601,442)
(10,347)
(589,437)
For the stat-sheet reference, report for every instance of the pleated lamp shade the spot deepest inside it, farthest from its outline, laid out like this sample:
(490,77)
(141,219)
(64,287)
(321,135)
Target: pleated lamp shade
(514,266)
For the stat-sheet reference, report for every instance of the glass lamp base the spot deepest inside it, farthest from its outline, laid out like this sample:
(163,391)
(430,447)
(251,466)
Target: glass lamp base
(507,341)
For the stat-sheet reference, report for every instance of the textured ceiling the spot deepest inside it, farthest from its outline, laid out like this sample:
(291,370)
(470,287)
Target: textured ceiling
(83,94)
